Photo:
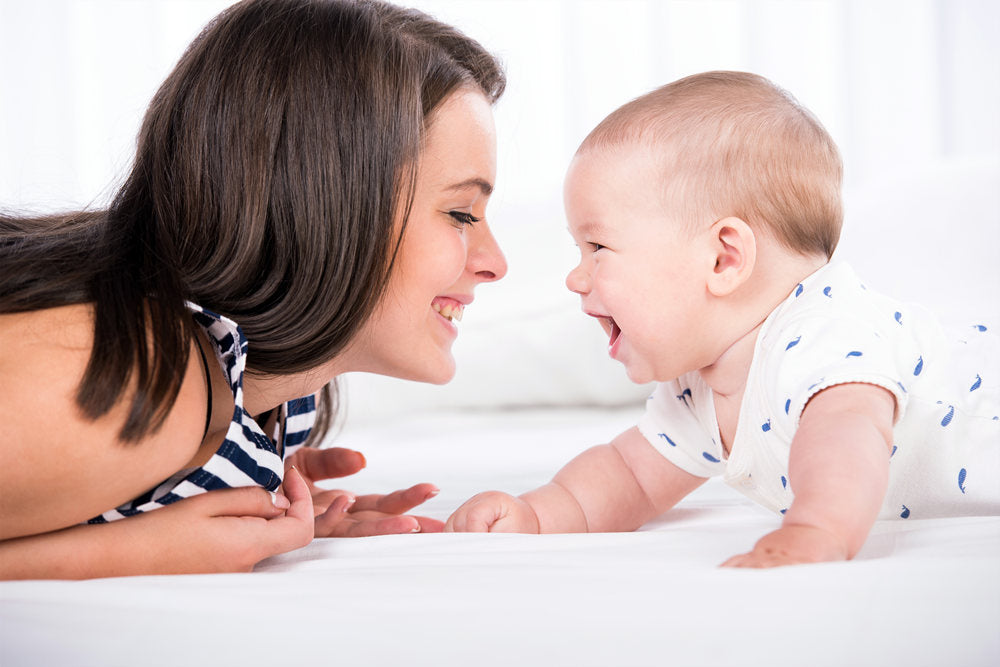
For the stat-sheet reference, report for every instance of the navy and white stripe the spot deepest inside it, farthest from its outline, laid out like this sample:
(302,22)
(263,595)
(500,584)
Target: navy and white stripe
(247,456)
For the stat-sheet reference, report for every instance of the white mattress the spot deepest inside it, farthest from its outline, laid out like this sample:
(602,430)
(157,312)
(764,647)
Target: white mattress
(920,592)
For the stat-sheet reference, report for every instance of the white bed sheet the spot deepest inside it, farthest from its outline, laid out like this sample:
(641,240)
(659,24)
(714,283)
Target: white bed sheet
(920,593)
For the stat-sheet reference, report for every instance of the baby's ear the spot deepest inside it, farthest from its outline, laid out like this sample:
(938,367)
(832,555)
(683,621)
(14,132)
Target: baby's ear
(735,248)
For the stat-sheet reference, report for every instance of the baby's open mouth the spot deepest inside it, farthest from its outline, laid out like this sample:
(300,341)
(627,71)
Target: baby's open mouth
(615,332)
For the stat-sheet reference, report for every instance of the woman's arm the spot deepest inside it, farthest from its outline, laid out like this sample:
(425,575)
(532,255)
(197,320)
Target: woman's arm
(57,467)
(220,531)
(613,487)
(839,470)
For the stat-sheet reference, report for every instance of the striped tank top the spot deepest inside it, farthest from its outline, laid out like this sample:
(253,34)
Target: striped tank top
(247,456)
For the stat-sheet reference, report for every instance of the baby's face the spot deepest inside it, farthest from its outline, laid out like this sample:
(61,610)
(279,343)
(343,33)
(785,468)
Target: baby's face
(639,274)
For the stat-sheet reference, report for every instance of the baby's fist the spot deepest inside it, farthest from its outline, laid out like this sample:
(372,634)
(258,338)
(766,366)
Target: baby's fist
(493,512)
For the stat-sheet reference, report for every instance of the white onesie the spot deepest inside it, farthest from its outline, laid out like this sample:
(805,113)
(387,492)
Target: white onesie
(832,330)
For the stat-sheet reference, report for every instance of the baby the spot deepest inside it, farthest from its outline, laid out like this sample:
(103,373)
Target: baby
(706,213)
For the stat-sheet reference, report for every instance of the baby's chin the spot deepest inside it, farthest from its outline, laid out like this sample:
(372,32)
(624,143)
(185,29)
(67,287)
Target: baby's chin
(639,375)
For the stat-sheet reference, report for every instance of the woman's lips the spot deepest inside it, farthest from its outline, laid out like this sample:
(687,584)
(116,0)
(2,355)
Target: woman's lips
(448,308)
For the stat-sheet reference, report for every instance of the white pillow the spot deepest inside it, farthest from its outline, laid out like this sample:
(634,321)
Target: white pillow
(931,235)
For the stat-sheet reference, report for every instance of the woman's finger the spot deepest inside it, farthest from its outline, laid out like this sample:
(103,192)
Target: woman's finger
(299,496)
(243,501)
(428,525)
(397,502)
(326,524)
(295,528)
(392,525)
(317,464)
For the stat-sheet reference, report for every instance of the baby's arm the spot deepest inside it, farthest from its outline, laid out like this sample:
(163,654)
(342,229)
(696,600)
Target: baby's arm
(614,487)
(839,470)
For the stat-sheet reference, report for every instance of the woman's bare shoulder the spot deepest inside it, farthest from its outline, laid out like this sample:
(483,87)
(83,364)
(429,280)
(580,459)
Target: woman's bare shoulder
(43,353)
(57,466)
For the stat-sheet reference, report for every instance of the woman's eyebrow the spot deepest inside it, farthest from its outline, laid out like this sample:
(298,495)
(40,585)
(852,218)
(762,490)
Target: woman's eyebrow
(482,184)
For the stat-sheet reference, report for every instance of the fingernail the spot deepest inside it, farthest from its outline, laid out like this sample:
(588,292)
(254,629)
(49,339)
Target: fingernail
(347,503)
(433,493)
(280,501)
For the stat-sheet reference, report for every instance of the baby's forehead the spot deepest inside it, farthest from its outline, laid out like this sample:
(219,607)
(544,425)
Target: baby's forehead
(652,169)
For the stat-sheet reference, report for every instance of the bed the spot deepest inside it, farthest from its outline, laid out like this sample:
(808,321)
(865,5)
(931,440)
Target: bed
(533,389)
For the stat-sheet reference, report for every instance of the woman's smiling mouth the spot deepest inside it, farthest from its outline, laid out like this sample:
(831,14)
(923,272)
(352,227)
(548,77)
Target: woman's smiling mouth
(450,309)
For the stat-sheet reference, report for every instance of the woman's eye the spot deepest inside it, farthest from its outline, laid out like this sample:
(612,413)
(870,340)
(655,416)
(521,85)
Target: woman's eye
(463,217)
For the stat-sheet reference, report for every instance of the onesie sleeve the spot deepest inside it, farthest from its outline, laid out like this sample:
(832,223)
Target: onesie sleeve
(671,424)
(813,354)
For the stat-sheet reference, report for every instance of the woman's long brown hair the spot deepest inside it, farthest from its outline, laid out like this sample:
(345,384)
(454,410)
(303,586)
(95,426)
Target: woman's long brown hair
(271,168)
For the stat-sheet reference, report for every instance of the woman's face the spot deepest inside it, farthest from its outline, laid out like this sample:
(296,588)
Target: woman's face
(447,249)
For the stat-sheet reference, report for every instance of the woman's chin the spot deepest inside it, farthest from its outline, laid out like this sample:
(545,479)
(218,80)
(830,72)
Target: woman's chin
(441,372)
(443,375)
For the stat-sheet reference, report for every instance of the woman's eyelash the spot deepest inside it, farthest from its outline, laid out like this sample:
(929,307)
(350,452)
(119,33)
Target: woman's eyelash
(463,217)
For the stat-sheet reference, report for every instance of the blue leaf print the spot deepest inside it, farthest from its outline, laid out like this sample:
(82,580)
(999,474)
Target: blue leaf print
(766,426)
(899,317)
(710,457)
(669,441)
(920,366)
(977,384)
(784,510)
(684,396)
(784,482)
(947,417)
(798,290)
(788,403)
(979,327)
(853,353)
(905,513)
(793,343)
(902,387)
(827,290)
(894,448)
(961,479)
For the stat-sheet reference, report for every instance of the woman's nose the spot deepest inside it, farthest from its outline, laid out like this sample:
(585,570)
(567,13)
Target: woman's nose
(486,259)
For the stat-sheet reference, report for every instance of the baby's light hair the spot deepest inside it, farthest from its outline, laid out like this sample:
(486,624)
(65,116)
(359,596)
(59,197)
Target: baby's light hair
(735,144)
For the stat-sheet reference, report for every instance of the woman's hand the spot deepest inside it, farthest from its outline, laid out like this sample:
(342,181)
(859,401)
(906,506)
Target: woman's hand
(493,512)
(229,530)
(792,545)
(343,514)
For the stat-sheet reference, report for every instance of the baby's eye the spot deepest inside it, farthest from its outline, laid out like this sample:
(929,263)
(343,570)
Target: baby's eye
(463,217)
(595,246)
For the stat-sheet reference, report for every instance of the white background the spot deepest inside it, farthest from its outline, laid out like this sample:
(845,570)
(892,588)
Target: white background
(909,89)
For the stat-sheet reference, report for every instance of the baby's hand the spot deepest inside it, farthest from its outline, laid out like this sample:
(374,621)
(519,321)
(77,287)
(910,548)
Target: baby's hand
(493,512)
(792,545)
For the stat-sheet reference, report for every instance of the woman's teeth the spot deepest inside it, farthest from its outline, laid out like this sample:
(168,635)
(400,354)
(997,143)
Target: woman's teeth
(450,311)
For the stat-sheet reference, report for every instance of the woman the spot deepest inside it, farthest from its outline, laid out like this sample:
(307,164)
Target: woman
(307,199)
